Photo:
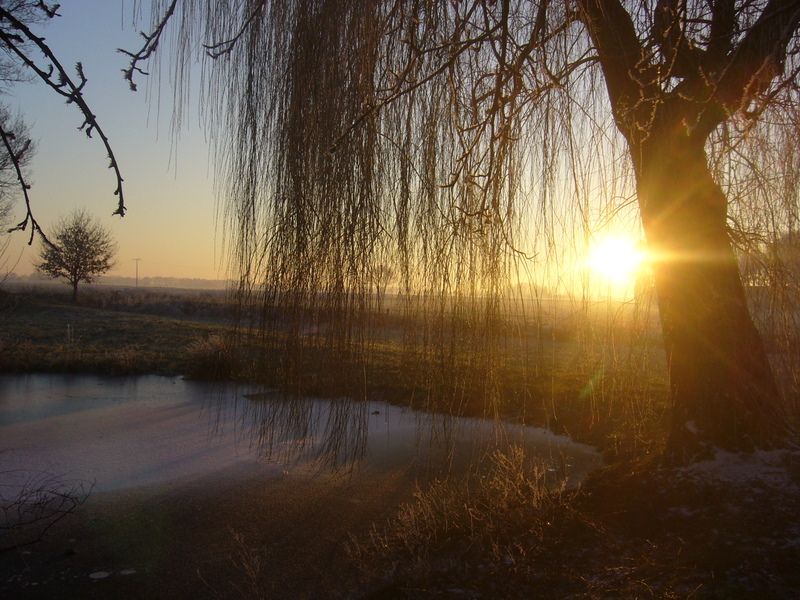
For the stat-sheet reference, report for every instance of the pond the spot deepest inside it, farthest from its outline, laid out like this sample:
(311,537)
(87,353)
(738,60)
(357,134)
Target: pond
(132,431)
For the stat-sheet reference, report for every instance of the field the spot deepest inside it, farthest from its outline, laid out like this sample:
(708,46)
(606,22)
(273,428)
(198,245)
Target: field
(110,331)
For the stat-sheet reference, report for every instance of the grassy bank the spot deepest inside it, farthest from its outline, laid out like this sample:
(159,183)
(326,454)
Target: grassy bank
(110,332)
(562,373)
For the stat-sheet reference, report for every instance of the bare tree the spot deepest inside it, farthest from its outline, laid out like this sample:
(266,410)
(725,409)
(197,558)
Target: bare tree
(443,138)
(82,250)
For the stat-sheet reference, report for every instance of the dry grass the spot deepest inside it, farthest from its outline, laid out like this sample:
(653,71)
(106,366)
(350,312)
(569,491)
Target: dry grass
(112,333)
(634,530)
(449,522)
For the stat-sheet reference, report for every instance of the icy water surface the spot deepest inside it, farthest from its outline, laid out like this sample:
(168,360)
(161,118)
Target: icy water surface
(124,432)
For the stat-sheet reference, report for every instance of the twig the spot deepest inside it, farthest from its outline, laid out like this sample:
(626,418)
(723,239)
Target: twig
(151,42)
(226,46)
(16,158)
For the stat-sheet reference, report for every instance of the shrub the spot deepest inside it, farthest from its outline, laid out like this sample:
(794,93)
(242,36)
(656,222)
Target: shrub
(212,358)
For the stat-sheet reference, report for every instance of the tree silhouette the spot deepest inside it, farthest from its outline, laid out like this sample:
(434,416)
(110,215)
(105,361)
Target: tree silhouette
(15,156)
(433,136)
(83,249)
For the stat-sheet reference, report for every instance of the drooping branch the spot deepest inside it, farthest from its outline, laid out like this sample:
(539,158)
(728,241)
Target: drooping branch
(226,46)
(57,78)
(16,160)
(151,41)
(399,93)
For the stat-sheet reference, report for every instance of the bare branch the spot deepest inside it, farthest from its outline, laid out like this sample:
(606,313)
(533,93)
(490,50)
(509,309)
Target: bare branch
(16,159)
(226,46)
(62,84)
(754,64)
(42,501)
(151,41)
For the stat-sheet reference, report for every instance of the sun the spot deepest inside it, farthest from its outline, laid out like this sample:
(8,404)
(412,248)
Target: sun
(616,259)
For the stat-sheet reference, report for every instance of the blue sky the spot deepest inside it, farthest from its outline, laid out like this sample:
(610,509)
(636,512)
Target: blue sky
(171,219)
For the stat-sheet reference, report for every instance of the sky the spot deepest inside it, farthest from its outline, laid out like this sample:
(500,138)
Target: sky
(171,224)
(171,221)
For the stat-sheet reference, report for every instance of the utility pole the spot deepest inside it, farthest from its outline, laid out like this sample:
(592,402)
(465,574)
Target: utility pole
(137,271)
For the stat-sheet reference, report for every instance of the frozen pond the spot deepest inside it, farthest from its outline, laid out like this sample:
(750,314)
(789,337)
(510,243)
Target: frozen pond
(120,433)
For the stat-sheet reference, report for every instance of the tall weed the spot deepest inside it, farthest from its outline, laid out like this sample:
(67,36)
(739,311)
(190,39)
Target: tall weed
(516,495)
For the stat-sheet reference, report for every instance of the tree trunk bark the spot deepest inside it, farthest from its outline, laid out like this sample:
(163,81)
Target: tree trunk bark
(723,389)
(75,292)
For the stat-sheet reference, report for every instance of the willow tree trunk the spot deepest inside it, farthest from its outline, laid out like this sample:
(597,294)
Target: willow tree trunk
(723,389)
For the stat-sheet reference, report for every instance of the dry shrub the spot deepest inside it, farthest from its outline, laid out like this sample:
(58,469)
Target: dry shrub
(253,567)
(450,521)
(212,357)
(36,502)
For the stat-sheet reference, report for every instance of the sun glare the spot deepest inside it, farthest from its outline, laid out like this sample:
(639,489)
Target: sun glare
(616,259)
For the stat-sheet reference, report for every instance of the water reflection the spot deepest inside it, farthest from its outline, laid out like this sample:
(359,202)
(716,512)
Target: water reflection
(344,435)
(125,432)
(330,432)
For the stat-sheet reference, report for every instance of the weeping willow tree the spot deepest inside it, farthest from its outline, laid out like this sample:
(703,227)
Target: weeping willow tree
(439,147)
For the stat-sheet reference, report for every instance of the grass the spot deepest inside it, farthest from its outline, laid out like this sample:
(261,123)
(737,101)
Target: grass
(106,333)
(632,530)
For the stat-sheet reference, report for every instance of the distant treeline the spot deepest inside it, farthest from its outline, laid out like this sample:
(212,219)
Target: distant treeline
(114,280)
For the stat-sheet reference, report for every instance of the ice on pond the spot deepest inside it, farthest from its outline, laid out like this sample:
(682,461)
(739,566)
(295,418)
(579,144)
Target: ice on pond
(119,433)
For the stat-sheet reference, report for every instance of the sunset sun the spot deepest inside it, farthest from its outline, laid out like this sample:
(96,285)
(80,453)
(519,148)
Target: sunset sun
(616,259)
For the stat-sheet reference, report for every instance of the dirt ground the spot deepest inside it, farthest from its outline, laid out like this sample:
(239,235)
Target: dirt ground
(724,530)
(203,538)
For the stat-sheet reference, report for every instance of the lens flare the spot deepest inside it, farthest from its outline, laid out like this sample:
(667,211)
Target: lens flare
(616,259)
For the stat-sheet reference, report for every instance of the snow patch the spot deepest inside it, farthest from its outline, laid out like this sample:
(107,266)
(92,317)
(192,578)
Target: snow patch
(99,575)
(776,468)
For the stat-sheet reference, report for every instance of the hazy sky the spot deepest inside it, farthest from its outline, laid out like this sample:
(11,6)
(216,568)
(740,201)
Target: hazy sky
(170,224)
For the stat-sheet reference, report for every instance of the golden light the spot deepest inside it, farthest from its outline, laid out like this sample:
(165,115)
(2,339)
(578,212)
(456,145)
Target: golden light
(616,259)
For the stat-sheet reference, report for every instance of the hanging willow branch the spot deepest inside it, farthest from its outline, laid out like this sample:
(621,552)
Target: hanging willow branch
(151,41)
(429,158)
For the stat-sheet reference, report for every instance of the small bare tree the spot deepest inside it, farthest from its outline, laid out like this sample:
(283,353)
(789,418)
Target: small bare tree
(83,249)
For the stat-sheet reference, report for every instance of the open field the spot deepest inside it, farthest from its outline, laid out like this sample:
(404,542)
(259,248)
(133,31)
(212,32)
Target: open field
(116,332)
